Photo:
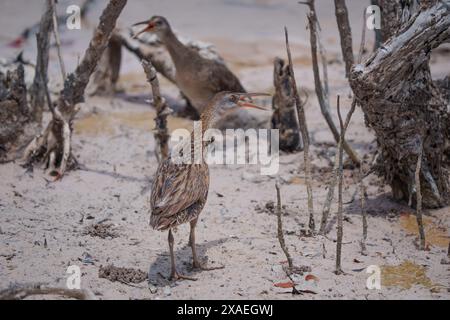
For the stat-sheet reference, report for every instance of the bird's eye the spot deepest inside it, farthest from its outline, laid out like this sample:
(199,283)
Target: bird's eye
(234,98)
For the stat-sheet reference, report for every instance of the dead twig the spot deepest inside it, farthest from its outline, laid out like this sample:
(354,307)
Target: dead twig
(280,228)
(305,135)
(162,110)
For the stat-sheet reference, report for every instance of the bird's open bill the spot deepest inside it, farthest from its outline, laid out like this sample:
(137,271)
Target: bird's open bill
(149,27)
(248,104)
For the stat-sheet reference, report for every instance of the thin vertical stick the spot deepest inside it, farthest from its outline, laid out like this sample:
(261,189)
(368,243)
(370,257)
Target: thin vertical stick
(162,111)
(419,198)
(305,136)
(37,92)
(362,188)
(340,223)
(334,177)
(280,229)
(324,105)
(330,195)
(362,202)
(323,58)
(57,40)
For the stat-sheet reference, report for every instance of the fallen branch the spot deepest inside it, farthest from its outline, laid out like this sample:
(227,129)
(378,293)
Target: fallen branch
(22,291)
(305,136)
(162,110)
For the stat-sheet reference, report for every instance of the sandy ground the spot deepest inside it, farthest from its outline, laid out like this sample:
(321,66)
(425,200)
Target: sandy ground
(43,224)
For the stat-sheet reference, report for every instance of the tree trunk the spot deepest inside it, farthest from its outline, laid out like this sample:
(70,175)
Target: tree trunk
(402,104)
(284,116)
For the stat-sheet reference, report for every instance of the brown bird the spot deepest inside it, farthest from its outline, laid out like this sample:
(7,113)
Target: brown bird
(200,79)
(180,189)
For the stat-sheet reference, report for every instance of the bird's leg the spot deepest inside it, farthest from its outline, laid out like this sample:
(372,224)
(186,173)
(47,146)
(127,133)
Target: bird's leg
(174,275)
(195,262)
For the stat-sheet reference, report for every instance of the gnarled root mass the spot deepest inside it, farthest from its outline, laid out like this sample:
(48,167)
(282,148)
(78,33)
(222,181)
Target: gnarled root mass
(53,146)
(403,106)
(17,125)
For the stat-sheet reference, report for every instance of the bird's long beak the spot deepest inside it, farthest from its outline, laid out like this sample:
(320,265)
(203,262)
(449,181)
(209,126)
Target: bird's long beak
(149,27)
(245,100)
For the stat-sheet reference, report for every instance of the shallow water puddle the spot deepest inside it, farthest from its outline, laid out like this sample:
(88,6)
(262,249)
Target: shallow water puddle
(434,234)
(405,276)
(107,123)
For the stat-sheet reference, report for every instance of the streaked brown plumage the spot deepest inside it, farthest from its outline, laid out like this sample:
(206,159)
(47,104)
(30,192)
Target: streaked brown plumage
(180,190)
(200,79)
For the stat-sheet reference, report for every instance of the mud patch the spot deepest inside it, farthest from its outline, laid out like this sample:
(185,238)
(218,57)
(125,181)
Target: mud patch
(405,276)
(101,231)
(108,124)
(434,234)
(123,275)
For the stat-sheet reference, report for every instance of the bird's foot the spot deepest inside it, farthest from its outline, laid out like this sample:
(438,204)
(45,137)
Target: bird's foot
(175,276)
(198,266)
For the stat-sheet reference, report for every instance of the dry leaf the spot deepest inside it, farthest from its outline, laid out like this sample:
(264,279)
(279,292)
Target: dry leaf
(310,277)
(284,285)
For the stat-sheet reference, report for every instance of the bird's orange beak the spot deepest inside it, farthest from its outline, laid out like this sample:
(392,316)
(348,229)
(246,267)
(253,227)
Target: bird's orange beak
(245,100)
(148,28)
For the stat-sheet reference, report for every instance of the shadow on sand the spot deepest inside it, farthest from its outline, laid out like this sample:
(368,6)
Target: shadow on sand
(382,206)
(159,270)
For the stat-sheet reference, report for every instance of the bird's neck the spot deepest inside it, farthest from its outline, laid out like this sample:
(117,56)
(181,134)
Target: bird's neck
(177,50)
(207,119)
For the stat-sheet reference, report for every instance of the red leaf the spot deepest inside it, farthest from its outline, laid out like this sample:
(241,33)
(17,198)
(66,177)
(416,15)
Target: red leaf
(284,285)
(312,277)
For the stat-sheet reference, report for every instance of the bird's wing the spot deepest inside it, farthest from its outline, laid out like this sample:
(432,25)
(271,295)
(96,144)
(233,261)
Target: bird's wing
(177,187)
(219,78)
